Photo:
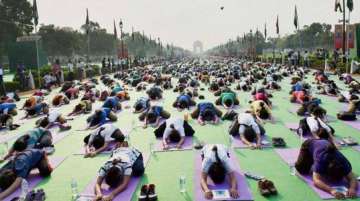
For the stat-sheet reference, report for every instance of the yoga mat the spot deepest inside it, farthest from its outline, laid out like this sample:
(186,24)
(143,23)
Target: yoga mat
(110,147)
(237,143)
(243,188)
(357,148)
(8,136)
(354,124)
(290,157)
(126,195)
(34,179)
(108,150)
(188,144)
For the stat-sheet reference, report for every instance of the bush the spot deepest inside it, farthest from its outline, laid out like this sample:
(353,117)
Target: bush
(12,86)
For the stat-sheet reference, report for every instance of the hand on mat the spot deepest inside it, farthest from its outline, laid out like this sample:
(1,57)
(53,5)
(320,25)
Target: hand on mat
(234,193)
(208,195)
(90,155)
(98,198)
(351,193)
(337,194)
(108,198)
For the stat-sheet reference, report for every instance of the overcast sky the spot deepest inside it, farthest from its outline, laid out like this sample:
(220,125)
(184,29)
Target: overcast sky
(184,21)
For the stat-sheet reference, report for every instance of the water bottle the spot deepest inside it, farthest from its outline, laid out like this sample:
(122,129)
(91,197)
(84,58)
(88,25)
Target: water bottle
(182,182)
(151,147)
(74,190)
(231,141)
(292,170)
(24,189)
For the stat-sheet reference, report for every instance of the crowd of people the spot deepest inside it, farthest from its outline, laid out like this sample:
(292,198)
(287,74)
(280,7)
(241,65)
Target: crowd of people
(223,79)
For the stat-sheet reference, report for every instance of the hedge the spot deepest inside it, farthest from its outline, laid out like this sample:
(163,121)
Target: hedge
(94,70)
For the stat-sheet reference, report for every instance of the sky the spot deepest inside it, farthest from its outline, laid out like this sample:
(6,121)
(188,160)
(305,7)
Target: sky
(182,22)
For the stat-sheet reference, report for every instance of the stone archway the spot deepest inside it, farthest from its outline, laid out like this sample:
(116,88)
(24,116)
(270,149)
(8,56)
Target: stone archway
(198,47)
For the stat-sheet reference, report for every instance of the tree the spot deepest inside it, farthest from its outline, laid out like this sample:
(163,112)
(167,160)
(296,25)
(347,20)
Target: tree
(15,20)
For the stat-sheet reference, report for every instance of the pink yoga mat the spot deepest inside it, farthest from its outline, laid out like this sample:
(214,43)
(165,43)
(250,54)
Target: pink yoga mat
(126,195)
(290,157)
(188,145)
(243,188)
(34,179)
(237,143)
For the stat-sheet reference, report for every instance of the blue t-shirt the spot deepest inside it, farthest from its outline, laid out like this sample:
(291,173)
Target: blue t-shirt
(185,98)
(104,114)
(8,106)
(205,106)
(143,101)
(318,149)
(111,102)
(26,161)
(298,86)
(117,89)
(38,108)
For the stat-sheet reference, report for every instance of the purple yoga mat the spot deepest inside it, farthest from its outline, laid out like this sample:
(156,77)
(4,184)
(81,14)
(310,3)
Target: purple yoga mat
(188,145)
(354,124)
(126,195)
(357,148)
(34,179)
(292,125)
(237,143)
(290,157)
(58,136)
(110,148)
(243,188)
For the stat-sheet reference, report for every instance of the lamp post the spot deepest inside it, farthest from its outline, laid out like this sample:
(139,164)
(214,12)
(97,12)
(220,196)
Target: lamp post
(122,42)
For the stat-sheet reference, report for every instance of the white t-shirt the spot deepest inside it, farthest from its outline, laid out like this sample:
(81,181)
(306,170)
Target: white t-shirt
(48,78)
(178,125)
(127,157)
(314,125)
(209,157)
(107,131)
(247,119)
(53,115)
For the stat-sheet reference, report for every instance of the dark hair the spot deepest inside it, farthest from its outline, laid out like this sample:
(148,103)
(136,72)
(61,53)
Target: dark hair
(21,143)
(183,104)
(98,141)
(249,134)
(228,102)
(208,115)
(138,106)
(114,176)
(7,177)
(151,117)
(44,122)
(174,134)
(318,112)
(217,169)
(78,108)
(263,114)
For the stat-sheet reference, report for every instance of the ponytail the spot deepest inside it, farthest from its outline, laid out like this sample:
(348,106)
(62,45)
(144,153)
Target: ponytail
(215,149)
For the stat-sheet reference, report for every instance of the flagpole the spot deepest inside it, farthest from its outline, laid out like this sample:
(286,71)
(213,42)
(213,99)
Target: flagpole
(37,57)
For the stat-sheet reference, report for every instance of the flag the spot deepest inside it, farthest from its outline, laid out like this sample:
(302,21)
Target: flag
(277,25)
(338,6)
(350,5)
(115,31)
(35,13)
(265,32)
(87,23)
(296,19)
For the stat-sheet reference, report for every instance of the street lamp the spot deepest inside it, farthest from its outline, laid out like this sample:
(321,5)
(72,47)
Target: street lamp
(122,42)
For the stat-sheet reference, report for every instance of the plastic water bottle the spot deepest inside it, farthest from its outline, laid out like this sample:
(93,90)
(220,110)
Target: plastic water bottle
(292,170)
(74,190)
(151,147)
(182,183)
(231,141)
(24,189)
